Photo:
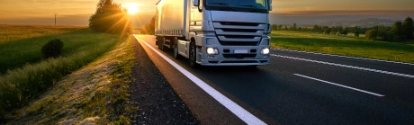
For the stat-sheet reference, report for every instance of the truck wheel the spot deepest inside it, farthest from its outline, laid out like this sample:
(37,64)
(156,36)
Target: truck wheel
(193,54)
(161,44)
(176,55)
(157,40)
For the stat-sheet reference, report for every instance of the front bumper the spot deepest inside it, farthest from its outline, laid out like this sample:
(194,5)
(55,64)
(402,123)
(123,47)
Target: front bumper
(233,55)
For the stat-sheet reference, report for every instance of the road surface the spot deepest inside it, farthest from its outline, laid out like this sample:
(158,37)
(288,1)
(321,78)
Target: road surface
(296,88)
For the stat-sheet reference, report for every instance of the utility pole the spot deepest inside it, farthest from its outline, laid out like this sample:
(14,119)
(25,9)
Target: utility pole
(55,18)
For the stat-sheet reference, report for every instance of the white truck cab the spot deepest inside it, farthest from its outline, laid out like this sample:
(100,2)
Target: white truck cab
(215,32)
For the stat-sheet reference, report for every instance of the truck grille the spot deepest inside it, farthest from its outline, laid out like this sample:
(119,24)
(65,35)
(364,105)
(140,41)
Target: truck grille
(239,34)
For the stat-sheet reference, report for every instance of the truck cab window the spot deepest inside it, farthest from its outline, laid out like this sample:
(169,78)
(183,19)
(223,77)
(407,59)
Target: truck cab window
(237,5)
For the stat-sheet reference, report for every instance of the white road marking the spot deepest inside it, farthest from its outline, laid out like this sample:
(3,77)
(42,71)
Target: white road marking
(346,66)
(350,57)
(226,102)
(344,86)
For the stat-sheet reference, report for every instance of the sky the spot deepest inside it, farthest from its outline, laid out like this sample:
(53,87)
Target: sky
(77,12)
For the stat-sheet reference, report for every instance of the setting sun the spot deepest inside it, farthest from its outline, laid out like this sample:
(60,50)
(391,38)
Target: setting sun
(132,8)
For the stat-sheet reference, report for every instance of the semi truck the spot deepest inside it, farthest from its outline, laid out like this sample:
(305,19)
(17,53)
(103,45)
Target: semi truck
(215,32)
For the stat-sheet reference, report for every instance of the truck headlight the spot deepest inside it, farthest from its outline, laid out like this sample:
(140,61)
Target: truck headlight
(265,51)
(212,51)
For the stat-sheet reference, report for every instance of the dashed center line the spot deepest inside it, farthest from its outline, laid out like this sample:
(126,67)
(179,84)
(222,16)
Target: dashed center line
(346,66)
(343,86)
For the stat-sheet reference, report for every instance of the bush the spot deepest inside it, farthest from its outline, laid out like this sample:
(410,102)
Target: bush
(53,48)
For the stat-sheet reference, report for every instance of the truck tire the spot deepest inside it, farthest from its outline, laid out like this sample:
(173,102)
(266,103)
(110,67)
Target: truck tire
(157,40)
(175,44)
(193,55)
(161,43)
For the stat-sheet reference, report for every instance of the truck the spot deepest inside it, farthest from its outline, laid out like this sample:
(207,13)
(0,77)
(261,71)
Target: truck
(215,32)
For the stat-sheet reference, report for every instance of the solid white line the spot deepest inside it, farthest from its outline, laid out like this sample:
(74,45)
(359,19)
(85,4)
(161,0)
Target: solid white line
(346,66)
(344,86)
(350,57)
(226,102)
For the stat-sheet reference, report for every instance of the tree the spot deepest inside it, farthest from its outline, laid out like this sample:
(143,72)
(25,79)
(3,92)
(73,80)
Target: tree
(356,30)
(398,30)
(371,34)
(279,27)
(294,26)
(384,33)
(274,26)
(356,33)
(340,29)
(316,28)
(110,18)
(285,27)
(326,30)
(408,27)
(334,30)
(344,32)
(149,28)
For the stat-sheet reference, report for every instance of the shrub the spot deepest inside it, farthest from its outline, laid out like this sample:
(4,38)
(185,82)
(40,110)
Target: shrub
(53,48)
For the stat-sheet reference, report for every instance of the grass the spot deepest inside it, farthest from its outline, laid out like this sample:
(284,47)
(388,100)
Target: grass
(23,46)
(96,94)
(343,45)
(11,32)
(29,75)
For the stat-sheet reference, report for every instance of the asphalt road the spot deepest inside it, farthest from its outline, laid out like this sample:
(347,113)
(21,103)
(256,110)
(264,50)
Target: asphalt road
(297,88)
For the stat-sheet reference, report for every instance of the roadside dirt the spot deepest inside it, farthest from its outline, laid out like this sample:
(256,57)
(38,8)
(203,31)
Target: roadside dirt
(157,101)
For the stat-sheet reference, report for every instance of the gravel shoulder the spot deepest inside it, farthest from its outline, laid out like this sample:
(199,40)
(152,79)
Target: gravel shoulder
(158,103)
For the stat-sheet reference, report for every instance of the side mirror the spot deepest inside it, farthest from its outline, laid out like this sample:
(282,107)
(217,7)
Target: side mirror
(196,2)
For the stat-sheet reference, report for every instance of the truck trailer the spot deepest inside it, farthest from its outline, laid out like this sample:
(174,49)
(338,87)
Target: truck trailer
(215,32)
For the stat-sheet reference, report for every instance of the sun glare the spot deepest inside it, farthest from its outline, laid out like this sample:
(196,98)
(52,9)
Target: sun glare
(132,8)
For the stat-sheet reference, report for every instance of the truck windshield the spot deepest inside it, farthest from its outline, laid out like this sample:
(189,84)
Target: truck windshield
(238,5)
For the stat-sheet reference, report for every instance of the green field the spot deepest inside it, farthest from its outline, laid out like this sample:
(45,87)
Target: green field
(343,45)
(26,74)
(21,44)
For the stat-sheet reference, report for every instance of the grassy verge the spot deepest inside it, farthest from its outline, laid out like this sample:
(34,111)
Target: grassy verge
(22,49)
(95,94)
(11,32)
(26,82)
(343,45)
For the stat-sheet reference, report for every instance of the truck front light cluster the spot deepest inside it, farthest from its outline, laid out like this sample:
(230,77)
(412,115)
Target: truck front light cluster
(212,51)
(265,51)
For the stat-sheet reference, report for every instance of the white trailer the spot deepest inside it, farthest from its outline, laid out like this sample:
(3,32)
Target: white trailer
(215,32)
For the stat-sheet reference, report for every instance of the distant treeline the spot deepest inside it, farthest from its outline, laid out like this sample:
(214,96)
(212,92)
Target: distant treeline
(148,28)
(399,32)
